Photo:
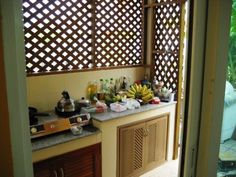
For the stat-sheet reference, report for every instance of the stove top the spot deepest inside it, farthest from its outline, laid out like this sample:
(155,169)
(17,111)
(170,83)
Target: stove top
(52,124)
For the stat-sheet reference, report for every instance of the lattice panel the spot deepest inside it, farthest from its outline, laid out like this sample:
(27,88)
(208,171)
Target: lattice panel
(165,1)
(119,29)
(167,27)
(167,42)
(166,69)
(58,35)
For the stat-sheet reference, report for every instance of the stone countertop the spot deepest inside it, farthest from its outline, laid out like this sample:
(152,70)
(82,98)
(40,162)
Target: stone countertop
(66,136)
(55,139)
(110,115)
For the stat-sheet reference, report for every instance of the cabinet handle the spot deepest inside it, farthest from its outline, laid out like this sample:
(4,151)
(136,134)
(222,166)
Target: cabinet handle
(55,173)
(62,172)
(147,131)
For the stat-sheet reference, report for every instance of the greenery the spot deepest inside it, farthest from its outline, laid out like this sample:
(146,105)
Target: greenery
(231,73)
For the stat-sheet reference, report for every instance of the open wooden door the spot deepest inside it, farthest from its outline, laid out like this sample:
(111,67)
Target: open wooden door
(6,164)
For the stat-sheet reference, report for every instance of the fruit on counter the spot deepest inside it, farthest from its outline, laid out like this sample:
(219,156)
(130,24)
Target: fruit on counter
(111,98)
(137,91)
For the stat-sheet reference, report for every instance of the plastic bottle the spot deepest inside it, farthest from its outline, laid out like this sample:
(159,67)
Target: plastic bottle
(154,82)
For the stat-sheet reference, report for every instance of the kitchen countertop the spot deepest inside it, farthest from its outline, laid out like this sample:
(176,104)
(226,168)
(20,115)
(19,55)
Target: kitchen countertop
(67,136)
(110,115)
(59,138)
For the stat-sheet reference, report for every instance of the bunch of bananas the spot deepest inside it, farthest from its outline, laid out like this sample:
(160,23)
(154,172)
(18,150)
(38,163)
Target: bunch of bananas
(137,91)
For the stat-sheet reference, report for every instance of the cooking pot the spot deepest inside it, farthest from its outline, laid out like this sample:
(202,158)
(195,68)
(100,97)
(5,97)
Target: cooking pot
(33,112)
(66,105)
(82,103)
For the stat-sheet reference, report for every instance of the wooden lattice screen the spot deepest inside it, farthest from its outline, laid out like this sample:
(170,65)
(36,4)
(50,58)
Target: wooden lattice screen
(119,29)
(68,35)
(166,45)
(58,35)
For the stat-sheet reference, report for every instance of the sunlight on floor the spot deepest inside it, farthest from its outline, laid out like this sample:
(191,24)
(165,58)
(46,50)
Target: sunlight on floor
(169,169)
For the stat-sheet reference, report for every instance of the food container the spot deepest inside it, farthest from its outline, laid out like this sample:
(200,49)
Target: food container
(76,129)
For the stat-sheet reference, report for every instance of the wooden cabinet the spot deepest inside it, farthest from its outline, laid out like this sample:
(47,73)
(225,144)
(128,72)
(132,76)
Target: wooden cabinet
(156,142)
(131,147)
(85,162)
(142,146)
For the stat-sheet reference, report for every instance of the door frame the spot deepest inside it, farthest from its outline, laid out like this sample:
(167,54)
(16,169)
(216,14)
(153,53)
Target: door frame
(18,133)
(6,163)
(206,73)
(216,57)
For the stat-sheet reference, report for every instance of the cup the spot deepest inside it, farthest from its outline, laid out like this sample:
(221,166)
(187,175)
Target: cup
(171,96)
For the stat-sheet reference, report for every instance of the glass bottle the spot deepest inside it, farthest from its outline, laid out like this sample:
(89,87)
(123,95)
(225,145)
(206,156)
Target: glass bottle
(92,90)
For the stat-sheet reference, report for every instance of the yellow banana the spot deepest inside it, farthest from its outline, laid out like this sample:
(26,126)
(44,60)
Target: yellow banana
(144,90)
(132,88)
(146,97)
(140,88)
(131,92)
(136,87)
(130,95)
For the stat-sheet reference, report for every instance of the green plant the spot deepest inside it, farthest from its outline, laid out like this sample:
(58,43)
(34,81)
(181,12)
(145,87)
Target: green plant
(231,72)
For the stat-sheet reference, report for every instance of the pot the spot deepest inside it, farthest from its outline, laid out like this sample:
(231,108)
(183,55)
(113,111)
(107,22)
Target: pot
(82,103)
(33,112)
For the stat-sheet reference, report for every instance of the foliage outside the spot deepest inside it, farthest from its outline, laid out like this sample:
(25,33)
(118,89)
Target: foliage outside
(231,72)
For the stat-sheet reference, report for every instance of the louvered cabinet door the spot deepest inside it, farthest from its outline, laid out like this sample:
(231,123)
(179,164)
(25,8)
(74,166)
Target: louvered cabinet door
(156,142)
(85,162)
(44,169)
(131,150)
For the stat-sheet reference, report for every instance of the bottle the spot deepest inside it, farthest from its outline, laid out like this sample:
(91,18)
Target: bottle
(111,85)
(124,83)
(117,85)
(101,93)
(106,86)
(154,82)
(100,86)
(92,90)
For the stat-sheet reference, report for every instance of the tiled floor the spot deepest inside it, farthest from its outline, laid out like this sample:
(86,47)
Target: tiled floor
(227,153)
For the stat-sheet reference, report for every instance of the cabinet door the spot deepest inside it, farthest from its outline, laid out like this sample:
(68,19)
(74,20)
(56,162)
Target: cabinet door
(156,141)
(131,150)
(44,169)
(85,162)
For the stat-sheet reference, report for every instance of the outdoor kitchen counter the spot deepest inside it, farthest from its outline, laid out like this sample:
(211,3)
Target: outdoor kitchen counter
(110,115)
(59,138)
(107,122)
(60,143)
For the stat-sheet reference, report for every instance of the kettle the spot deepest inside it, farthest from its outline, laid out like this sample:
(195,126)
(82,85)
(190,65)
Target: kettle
(66,105)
